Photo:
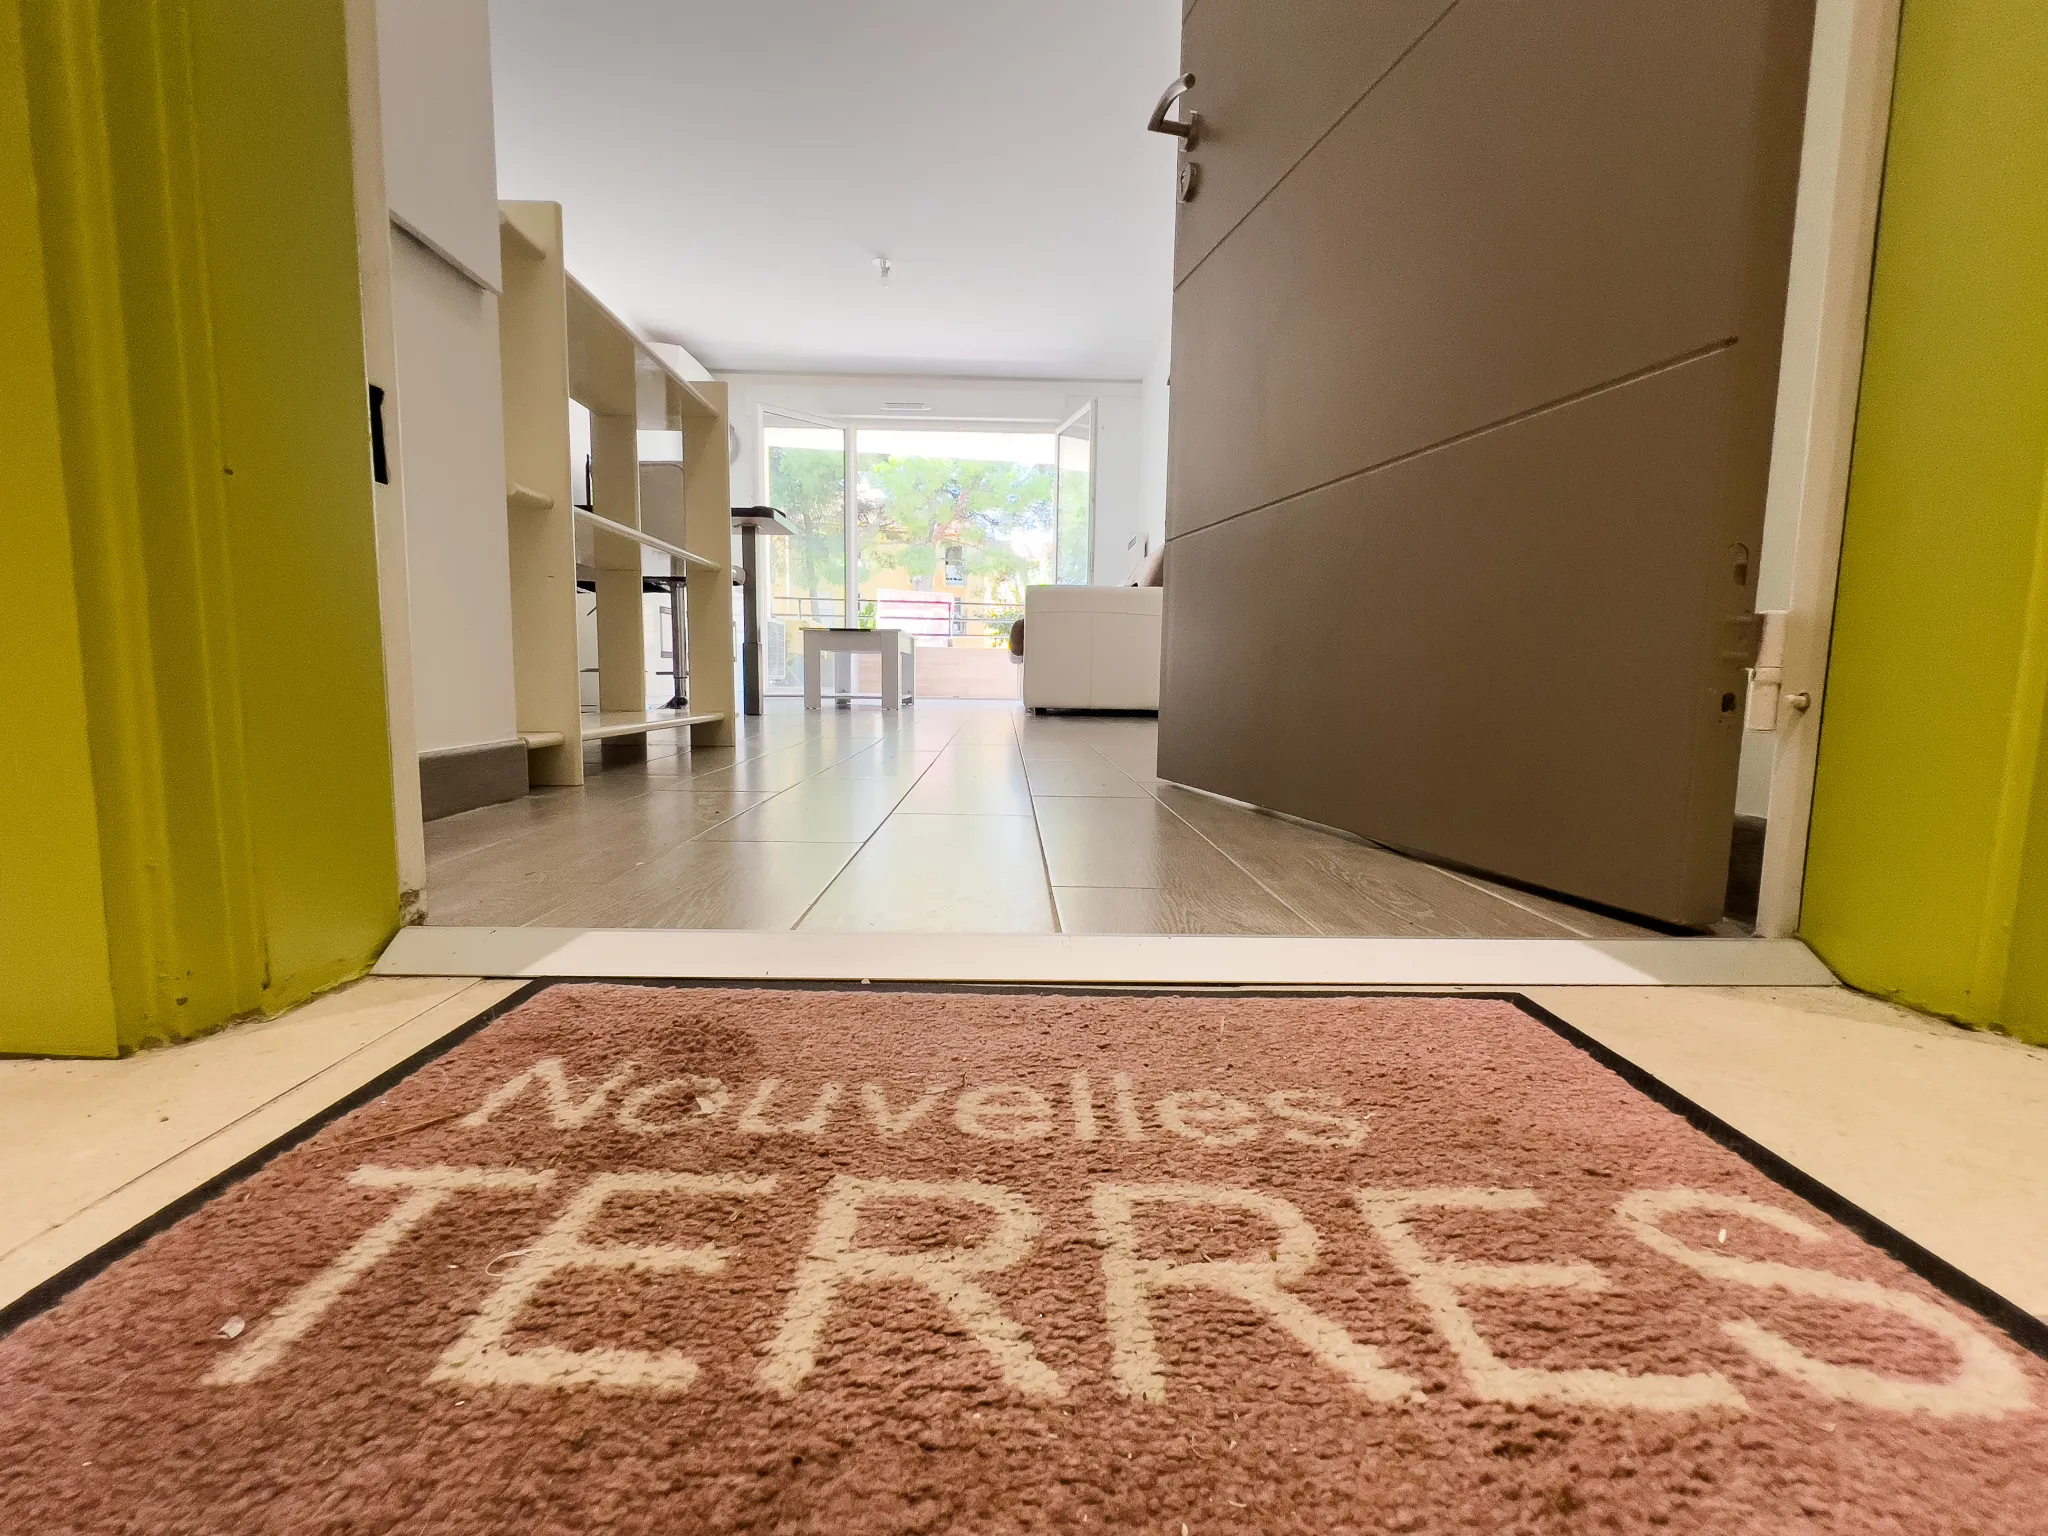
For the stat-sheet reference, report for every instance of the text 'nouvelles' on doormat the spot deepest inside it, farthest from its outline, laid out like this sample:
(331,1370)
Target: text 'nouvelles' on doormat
(690,1259)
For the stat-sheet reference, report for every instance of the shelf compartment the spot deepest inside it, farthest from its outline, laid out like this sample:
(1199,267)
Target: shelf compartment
(603,725)
(620,530)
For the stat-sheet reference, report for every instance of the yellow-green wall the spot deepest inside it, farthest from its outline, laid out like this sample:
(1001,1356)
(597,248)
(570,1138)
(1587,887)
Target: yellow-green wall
(1927,873)
(53,926)
(199,808)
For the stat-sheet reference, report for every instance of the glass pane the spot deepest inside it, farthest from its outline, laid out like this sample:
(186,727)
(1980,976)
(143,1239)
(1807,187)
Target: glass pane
(952,527)
(1076,512)
(805,579)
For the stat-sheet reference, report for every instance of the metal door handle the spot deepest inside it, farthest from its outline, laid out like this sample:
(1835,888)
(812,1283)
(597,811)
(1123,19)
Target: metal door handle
(1189,128)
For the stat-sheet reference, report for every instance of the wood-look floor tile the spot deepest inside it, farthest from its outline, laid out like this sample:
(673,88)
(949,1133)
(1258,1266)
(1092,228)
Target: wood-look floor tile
(798,791)
(1091,777)
(467,831)
(1052,736)
(706,884)
(1242,908)
(1140,760)
(824,809)
(970,779)
(942,874)
(559,818)
(887,759)
(1106,731)
(1042,749)
(1576,919)
(932,732)
(979,723)
(709,759)
(1138,843)
(776,770)
(1352,887)
(512,881)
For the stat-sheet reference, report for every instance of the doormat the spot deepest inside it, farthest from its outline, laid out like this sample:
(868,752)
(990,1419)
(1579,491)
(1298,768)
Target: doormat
(676,1260)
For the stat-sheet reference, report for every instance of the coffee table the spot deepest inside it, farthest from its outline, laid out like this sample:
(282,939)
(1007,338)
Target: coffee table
(896,647)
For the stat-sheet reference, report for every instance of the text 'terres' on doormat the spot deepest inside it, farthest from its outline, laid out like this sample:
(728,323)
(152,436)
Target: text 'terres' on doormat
(683,1259)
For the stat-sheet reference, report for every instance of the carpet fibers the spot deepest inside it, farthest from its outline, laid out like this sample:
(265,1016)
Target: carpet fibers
(678,1260)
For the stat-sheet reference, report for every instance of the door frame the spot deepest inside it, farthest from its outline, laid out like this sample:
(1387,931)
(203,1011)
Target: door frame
(1834,242)
(849,586)
(380,363)
(1092,410)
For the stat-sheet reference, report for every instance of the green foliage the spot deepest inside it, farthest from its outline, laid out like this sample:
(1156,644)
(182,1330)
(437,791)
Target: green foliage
(911,510)
(1075,510)
(983,505)
(808,484)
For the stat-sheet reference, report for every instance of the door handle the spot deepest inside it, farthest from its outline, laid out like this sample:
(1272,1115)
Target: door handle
(1189,128)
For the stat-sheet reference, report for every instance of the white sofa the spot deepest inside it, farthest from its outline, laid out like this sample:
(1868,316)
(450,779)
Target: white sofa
(1092,647)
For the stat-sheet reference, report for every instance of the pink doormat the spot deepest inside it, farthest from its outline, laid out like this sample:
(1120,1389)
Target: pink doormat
(681,1260)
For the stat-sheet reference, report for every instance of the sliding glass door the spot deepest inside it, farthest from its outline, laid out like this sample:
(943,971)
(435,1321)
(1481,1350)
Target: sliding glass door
(1074,500)
(805,578)
(936,531)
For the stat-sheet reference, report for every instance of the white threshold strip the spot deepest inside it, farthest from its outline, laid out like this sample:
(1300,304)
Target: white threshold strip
(1110,959)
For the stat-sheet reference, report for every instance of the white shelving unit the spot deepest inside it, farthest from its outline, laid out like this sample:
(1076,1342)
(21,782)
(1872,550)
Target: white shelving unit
(557,344)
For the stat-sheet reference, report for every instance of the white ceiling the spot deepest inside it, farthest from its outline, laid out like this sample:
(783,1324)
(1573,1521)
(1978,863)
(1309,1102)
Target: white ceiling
(729,171)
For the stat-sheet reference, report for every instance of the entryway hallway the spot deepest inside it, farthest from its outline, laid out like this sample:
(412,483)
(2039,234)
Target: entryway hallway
(953,816)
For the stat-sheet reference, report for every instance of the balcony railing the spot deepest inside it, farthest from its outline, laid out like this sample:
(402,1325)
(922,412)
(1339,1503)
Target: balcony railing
(933,617)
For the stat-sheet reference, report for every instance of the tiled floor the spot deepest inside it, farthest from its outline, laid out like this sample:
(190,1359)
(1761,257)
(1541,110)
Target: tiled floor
(951,816)
(91,1148)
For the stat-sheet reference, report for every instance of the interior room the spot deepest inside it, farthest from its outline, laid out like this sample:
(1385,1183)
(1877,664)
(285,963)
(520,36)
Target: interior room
(1131,765)
(860,386)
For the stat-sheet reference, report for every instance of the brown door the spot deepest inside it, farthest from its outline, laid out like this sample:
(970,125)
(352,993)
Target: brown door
(1476,329)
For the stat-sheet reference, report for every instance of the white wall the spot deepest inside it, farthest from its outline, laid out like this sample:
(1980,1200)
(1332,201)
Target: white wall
(989,405)
(1119,509)
(451,420)
(440,148)
(1153,415)
(440,171)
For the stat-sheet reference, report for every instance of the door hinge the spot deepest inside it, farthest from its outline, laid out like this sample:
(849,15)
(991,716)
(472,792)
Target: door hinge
(1767,696)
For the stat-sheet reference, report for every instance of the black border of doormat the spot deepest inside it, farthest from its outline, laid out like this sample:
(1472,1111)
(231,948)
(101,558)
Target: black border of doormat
(47,1293)
(2025,1329)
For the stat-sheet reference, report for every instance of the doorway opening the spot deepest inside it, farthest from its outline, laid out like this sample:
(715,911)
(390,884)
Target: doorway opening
(1437,696)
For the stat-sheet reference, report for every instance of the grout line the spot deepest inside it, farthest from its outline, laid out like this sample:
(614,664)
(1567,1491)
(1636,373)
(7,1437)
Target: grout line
(1313,926)
(771,795)
(1281,180)
(1362,841)
(588,812)
(775,794)
(1052,895)
(1501,895)
(826,889)
(540,920)
(1459,439)
(254,1109)
(1407,858)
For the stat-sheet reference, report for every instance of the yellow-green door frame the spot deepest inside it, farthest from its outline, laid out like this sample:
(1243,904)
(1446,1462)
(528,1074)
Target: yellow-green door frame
(200,815)
(1927,865)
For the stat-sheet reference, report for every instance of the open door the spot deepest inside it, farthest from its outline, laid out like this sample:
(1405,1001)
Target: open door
(1074,499)
(1476,327)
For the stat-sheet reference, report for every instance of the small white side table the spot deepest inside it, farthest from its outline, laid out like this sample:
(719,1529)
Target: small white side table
(896,647)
